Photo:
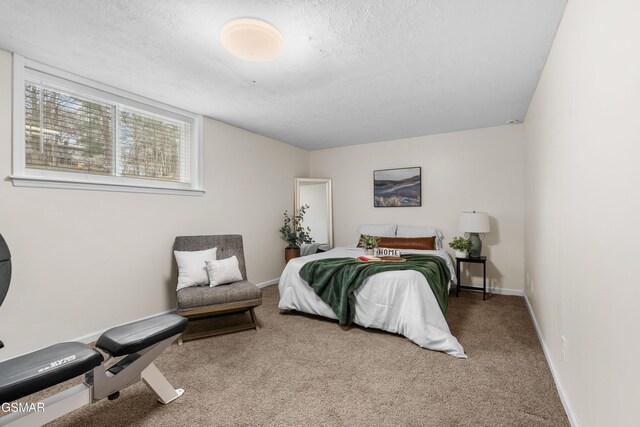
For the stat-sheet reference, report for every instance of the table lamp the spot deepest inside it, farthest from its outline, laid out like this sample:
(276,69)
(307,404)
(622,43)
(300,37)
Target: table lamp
(474,223)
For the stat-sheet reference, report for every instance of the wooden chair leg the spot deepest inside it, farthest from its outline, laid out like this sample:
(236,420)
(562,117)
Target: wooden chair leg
(180,340)
(253,318)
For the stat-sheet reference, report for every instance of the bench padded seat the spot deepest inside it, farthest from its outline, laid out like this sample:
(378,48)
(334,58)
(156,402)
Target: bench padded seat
(27,374)
(136,336)
(202,296)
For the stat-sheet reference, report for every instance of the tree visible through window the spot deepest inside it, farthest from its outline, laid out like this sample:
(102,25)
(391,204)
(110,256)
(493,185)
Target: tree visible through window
(72,133)
(150,147)
(66,132)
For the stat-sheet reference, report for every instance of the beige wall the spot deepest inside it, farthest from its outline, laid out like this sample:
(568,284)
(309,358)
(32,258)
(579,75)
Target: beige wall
(582,135)
(87,260)
(472,170)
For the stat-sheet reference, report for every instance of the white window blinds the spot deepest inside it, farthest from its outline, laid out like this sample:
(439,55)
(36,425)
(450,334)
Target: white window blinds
(152,147)
(67,132)
(82,134)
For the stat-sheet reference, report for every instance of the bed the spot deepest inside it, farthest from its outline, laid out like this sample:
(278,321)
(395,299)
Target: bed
(400,302)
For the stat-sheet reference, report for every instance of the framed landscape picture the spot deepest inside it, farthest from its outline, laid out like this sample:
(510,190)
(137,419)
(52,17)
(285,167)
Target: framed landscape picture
(397,187)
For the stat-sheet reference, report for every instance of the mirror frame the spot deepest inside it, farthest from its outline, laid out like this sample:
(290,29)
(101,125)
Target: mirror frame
(296,200)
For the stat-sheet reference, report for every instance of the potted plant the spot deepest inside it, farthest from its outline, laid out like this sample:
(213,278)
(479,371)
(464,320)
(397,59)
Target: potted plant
(368,243)
(461,245)
(294,233)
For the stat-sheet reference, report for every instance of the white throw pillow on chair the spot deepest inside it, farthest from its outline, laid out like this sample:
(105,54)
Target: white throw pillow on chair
(192,267)
(223,271)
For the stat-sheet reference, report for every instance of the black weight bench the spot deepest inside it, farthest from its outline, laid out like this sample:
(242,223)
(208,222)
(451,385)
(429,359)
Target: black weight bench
(130,349)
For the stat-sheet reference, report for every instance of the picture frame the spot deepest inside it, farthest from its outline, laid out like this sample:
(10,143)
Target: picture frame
(397,188)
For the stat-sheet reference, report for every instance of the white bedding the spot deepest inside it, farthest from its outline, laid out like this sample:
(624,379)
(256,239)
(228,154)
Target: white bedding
(396,301)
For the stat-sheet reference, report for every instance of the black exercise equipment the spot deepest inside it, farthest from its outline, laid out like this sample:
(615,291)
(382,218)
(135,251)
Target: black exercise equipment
(129,349)
(5,268)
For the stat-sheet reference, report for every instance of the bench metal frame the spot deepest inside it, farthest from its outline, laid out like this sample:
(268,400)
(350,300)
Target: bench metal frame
(101,383)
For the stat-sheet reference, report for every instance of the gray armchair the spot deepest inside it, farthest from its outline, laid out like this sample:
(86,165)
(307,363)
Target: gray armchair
(203,301)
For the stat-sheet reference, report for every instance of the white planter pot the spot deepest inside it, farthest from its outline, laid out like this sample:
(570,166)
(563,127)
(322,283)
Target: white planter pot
(460,254)
(368,252)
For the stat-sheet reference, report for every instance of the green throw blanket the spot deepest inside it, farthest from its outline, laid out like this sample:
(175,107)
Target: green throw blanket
(336,279)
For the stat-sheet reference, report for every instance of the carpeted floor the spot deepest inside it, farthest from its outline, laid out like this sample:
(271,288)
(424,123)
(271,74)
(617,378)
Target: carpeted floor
(300,370)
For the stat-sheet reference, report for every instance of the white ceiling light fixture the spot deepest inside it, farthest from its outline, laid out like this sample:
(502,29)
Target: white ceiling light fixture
(252,39)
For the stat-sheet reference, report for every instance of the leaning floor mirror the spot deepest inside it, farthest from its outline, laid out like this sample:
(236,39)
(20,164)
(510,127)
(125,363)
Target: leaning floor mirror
(316,193)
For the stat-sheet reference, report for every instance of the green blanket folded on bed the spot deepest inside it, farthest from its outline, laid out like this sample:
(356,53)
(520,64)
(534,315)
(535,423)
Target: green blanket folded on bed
(336,279)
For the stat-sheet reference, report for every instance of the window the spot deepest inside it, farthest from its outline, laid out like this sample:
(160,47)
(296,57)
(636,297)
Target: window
(71,132)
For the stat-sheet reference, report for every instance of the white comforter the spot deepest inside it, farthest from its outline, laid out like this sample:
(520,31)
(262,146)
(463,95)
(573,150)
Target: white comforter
(396,301)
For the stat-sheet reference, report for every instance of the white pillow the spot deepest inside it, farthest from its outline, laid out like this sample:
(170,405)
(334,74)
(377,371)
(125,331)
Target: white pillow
(223,271)
(420,231)
(192,269)
(380,230)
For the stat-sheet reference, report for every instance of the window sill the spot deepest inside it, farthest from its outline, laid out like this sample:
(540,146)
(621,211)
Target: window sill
(48,182)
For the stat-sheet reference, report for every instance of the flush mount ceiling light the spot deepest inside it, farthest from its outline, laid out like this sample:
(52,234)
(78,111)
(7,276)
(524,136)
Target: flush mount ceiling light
(252,39)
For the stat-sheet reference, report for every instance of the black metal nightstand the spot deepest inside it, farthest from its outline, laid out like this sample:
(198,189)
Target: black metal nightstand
(479,260)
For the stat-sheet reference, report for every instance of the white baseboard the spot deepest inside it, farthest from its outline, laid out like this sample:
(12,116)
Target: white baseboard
(497,291)
(93,336)
(506,291)
(554,373)
(268,283)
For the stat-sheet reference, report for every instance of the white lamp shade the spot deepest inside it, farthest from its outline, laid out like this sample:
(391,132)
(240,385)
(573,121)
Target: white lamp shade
(474,222)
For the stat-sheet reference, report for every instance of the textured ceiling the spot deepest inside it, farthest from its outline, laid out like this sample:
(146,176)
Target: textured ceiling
(353,71)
